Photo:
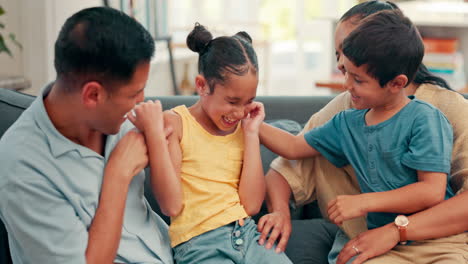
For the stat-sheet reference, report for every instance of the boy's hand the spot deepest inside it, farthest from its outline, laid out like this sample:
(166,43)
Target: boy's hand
(255,116)
(148,117)
(276,225)
(345,207)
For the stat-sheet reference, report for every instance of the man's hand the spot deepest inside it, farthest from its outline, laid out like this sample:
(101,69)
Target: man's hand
(276,225)
(129,156)
(369,244)
(345,207)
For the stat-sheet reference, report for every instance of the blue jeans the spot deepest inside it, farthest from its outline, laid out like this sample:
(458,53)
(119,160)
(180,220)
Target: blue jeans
(340,241)
(231,243)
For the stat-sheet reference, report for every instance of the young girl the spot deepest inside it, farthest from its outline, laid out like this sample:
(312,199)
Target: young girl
(215,181)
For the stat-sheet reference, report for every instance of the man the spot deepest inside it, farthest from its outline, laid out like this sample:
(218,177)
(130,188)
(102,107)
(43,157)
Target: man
(64,197)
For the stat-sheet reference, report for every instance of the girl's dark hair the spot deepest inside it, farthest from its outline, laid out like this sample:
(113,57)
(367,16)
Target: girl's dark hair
(365,9)
(223,55)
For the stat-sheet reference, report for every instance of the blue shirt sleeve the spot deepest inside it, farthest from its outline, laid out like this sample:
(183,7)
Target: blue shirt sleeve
(42,220)
(431,143)
(326,139)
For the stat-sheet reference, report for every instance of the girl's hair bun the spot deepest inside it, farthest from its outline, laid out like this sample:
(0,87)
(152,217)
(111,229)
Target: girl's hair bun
(244,35)
(199,38)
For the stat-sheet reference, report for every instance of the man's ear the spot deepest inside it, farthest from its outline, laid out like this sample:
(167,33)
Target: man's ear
(201,85)
(92,93)
(398,83)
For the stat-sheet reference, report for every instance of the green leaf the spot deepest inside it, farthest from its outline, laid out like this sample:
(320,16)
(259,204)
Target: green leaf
(2,11)
(16,42)
(3,47)
(2,25)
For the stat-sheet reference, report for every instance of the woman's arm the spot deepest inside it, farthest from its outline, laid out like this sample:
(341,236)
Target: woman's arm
(447,218)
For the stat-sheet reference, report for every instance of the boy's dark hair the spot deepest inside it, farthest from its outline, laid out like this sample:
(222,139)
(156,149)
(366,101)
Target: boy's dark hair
(101,44)
(388,43)
(223,55)
(365,9)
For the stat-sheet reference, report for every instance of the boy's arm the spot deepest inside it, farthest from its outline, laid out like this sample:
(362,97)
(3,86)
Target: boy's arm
(285,144)
(164,154)
(427,192)
(252,180)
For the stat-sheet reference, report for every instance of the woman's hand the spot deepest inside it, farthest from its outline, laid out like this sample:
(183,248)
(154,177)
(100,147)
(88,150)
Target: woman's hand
(369,244)
(253,120)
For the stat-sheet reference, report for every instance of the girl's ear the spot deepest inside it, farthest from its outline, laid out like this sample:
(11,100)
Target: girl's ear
(92,93)
(201,85)
(398,83)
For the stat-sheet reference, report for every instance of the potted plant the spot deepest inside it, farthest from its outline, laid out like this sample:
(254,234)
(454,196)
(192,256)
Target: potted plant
(6,35)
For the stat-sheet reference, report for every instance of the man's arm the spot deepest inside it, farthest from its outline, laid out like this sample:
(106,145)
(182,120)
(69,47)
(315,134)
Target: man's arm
(127,159)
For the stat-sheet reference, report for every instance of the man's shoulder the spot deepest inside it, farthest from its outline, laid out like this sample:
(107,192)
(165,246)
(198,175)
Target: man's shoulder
(22,146)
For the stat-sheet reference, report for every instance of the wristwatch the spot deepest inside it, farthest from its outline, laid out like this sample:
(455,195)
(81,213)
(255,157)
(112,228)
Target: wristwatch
(401,222)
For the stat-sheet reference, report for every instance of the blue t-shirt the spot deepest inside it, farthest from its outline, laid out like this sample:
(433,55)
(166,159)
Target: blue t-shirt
(388,155)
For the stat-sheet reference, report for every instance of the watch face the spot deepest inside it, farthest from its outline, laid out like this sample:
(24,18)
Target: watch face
(401,220)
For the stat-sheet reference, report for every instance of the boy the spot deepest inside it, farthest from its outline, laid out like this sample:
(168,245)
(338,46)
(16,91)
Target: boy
(399,147)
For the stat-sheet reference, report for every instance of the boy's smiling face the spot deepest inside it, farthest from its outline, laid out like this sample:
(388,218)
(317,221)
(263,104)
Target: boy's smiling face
(365,90)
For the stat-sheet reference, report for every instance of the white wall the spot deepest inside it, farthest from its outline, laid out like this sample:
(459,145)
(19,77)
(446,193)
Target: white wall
(9,65)
(36,24)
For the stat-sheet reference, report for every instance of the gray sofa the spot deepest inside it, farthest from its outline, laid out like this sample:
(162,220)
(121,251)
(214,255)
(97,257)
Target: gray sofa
(278,109)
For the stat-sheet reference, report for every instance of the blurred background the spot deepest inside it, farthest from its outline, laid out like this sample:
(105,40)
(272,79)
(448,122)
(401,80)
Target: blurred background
(293,40)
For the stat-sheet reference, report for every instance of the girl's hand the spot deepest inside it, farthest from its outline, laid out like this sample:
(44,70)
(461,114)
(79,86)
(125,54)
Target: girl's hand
(370,244)
(253,120)
(345,207)
(148,117)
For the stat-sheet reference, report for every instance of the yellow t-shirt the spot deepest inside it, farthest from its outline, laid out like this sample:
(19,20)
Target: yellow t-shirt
(210,173)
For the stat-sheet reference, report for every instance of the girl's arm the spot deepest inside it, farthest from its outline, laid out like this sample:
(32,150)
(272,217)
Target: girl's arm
(164,154)
(427,192)
(252,181)
(285,144)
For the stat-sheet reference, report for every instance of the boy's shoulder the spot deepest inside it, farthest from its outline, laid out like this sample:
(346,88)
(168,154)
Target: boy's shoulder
(423,106)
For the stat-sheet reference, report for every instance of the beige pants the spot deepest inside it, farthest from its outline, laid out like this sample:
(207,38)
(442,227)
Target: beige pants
(447,250)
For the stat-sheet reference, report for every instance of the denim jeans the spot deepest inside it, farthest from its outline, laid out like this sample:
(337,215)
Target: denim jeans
(231,243)
(340,241)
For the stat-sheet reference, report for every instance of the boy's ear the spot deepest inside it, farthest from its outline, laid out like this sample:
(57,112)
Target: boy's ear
(201,85)
(398,83)
(92,93)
